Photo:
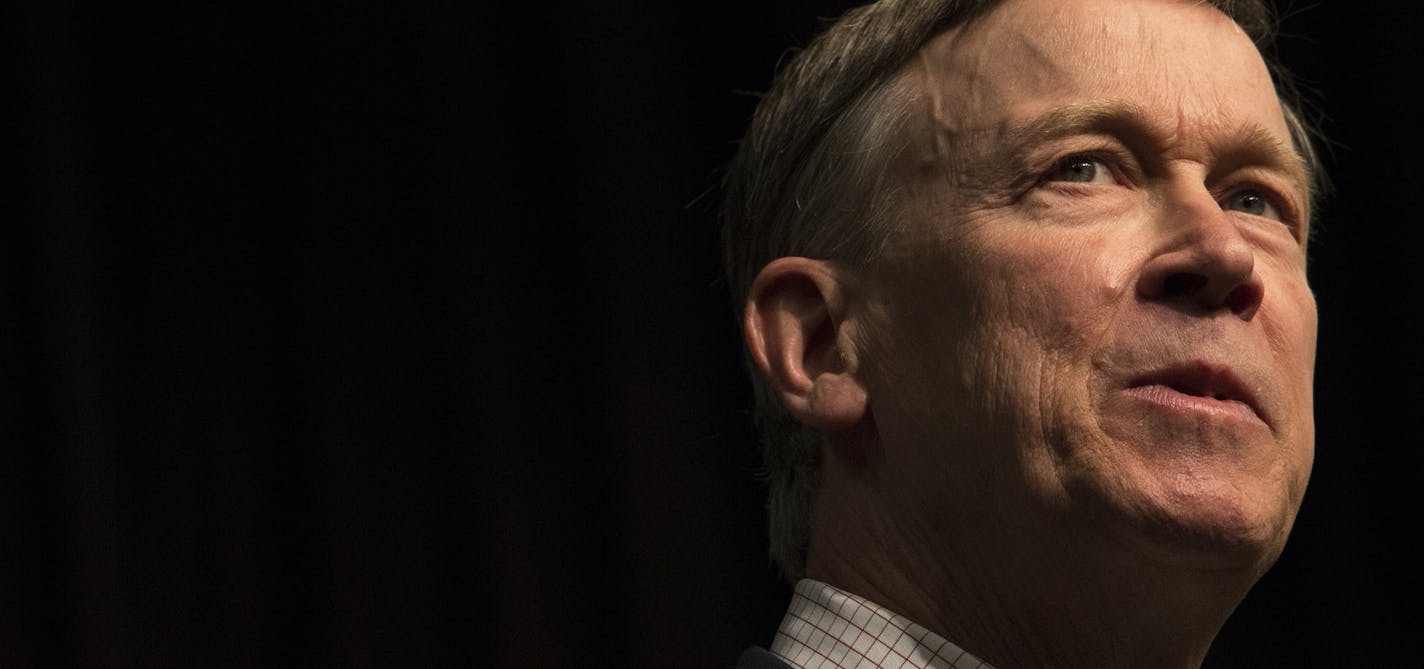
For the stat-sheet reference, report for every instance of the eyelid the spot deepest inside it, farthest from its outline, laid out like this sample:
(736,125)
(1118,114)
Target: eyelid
(1118,160)
(1290,209)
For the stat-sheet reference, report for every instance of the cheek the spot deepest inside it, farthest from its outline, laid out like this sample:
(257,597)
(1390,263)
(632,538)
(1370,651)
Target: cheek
(1290,320)
(1299,327)
(1005,317)
(1049,304)
(1063,293)
(1290,326)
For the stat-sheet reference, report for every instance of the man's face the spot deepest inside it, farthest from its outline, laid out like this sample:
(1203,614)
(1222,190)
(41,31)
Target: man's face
(1095,310)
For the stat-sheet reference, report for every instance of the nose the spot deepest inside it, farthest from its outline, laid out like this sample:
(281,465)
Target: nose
(1206,264)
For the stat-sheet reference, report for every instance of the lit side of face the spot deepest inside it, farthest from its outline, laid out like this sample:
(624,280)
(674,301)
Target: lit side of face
(1096,309)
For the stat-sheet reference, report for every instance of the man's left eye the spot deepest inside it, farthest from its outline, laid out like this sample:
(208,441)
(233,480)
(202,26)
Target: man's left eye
(1083,170)
(1252,202)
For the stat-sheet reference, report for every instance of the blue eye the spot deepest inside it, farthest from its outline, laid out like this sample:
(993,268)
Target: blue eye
(1252,202)
(1083,170)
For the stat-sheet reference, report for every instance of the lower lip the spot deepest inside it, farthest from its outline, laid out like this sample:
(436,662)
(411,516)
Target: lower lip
(1193,405)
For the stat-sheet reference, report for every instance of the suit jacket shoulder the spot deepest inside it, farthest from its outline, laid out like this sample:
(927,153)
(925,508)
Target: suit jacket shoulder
(758,658)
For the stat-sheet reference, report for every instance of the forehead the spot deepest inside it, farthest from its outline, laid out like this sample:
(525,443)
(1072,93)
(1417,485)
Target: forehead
(1183,64)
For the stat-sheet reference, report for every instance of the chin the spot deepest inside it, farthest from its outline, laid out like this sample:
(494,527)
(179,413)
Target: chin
(1217,532)
(1202,521)
(1202,493)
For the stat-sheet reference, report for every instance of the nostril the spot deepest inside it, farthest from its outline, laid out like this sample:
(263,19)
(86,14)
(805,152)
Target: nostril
(1244,299)
(1182,283)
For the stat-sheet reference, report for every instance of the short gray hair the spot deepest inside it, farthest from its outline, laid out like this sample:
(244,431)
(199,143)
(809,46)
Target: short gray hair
(811,178)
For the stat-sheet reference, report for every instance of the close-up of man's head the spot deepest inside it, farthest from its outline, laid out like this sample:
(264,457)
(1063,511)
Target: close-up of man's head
(1023,288)
(775,334)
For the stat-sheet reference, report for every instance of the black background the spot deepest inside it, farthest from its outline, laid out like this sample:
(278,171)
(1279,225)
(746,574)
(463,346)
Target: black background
(366,334)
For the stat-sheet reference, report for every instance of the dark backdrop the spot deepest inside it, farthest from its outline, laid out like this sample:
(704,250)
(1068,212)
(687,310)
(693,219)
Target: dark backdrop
(367,334)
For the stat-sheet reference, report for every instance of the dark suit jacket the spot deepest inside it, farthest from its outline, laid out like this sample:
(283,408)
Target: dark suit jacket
(757,658)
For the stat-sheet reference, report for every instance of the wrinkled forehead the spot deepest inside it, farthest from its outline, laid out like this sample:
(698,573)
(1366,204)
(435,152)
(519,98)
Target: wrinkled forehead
(1178,61)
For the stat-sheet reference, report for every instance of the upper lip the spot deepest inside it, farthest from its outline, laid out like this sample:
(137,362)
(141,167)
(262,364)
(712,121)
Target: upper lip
(1203,379)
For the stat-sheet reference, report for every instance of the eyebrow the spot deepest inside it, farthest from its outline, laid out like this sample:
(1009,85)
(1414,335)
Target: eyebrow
(1081,119)
(1247,144)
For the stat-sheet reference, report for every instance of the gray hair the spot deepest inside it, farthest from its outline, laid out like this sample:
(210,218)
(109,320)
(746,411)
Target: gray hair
(811,178)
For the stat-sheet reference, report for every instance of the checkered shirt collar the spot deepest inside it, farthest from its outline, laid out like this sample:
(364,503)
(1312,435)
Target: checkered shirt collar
(826,627)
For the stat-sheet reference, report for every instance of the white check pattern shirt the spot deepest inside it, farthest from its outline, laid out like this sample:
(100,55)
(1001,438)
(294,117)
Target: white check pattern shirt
(829,628)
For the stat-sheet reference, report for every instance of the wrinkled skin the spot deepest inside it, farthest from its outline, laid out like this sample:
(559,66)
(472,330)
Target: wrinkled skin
(1035,278)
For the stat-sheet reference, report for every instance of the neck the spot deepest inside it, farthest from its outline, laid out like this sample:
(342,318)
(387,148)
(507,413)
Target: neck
(1034,593)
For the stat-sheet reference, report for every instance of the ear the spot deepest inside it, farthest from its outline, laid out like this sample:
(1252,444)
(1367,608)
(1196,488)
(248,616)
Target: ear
(796,329)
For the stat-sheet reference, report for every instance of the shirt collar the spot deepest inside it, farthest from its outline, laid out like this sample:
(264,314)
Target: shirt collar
(829,627)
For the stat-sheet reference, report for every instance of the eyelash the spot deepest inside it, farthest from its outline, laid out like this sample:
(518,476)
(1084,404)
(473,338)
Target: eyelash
(1113,160)
(1124,171)
(1286,212)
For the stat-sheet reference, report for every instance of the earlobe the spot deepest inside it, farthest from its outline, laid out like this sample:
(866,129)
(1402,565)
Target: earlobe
(797,329)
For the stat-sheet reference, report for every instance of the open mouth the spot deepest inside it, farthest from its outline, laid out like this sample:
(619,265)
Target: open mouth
(1197,386)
